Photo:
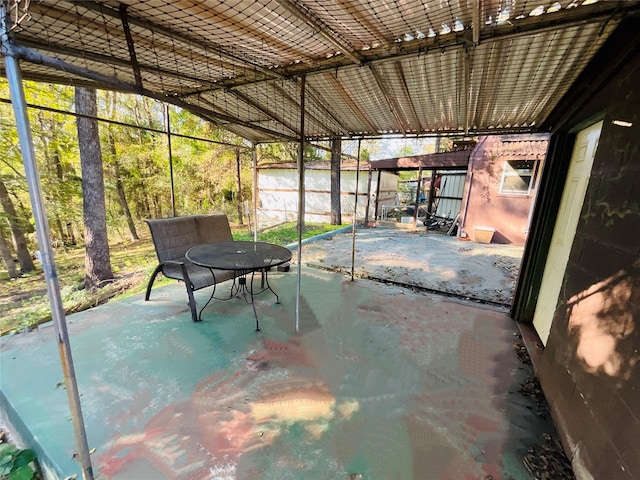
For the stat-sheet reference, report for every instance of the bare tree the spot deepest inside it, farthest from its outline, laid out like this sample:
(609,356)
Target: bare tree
(97,264)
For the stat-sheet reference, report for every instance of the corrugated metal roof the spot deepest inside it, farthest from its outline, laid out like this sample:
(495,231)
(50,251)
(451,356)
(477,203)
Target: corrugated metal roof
(372,67)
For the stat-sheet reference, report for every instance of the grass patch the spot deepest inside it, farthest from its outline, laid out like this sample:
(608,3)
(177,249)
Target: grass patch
(24,302)
(286,233)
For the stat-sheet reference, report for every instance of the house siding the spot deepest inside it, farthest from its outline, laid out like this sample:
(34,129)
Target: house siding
(483,204)
(590,369)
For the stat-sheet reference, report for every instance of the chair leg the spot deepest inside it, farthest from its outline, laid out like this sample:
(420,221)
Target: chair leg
(192,300)
(151,280)
(192,303)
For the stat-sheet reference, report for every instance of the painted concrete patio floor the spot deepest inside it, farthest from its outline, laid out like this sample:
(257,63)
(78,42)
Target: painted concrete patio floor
(379,383)
(427,260)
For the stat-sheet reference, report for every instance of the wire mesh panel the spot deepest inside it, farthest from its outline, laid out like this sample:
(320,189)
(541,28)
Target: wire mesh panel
(373,67)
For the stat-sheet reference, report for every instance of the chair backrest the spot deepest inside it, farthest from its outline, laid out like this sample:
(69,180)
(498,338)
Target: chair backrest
(213,228)
(172,237)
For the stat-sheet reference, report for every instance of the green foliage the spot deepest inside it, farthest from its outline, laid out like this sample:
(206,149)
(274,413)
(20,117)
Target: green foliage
(15,463)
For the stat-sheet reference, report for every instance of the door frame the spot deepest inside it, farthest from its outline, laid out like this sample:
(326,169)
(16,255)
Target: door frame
(547,204)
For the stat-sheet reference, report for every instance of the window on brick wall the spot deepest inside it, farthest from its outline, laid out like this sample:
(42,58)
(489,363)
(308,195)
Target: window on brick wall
(518,177)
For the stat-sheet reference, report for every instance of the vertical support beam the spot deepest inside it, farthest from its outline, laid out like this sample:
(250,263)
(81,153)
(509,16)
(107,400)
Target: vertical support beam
(239,188)
(432,191)
(336,155)
(466,88)
(14,77)
(375,213)
(366,212)
(355,212)
(254,188)
(417,202)
(300,198)
(167,126)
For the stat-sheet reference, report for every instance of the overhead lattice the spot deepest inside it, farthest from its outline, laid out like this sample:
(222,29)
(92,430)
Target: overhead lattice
(372,67)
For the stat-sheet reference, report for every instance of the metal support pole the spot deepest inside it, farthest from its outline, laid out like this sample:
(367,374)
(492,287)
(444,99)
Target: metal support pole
(300,199)
(355,212)
(167,124)
(14,78)
(254,163)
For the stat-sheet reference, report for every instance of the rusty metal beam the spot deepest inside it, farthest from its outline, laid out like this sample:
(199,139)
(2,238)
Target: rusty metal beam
(130,45)
(23,53)
(103,9)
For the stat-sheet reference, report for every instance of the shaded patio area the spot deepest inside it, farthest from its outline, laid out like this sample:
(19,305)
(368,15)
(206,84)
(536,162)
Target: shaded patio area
(379,383)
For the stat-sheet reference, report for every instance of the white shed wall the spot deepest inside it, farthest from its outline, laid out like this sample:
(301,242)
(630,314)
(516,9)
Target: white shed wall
(278,194)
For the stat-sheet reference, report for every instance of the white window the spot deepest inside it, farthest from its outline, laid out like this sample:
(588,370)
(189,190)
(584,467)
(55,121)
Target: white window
(518,177)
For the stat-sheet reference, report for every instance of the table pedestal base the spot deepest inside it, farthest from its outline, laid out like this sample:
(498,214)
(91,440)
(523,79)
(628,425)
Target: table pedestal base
(240,287)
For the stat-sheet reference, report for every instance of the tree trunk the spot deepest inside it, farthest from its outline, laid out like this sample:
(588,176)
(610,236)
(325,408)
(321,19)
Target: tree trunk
(5,250)
(22,250)
(59,229)
(336,210)
(65,236)
(124,205)
(97,264)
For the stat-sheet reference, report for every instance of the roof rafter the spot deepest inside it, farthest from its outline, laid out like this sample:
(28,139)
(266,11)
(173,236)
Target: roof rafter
(130,45)
(417,123)
(321,28)
(385,93)
(100,58)
(314,95)
(248,100)
(286,95)
(586,14)
(350,103)
(246,124)
(103,9)
(23,53)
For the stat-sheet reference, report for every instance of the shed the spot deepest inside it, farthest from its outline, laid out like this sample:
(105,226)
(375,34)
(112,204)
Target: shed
(450,164)
(277,192)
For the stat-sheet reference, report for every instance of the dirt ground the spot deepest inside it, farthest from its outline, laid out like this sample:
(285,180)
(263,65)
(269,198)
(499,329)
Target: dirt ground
(424,260)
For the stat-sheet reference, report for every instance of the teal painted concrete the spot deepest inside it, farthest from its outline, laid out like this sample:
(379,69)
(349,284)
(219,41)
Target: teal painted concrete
(379,383)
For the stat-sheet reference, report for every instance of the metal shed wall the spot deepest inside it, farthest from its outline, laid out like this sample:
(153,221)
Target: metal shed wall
(278,194)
